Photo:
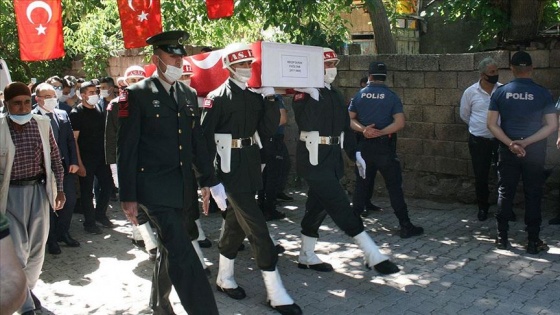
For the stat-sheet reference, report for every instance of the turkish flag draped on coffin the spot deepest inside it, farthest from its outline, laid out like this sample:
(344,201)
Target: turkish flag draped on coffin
(208,71)
(140,19)
(218,9)
(39,25)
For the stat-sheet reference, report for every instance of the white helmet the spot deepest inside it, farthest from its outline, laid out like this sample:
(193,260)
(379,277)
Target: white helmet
(236,53)
(187,68)
(134,72)
(330,55)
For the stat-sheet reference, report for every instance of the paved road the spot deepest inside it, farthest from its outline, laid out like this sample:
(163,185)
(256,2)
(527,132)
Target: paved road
(453,269)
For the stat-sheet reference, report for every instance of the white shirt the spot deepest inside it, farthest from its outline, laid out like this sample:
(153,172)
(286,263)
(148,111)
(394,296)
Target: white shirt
(474,109)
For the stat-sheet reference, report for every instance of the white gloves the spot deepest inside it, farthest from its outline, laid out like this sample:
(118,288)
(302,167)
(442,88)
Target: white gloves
(265,91)
(361,164)
(219,194)
(313,92)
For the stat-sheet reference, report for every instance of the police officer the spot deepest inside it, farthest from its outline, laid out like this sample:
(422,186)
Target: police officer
(322,118)
(159,141)
(528,117)
(377,114)
(234,119)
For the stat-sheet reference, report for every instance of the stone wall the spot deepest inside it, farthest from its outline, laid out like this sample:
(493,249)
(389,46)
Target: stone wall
(433,145)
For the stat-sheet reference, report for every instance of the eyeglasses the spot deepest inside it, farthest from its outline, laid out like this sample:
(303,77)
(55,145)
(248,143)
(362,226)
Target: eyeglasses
(57,87)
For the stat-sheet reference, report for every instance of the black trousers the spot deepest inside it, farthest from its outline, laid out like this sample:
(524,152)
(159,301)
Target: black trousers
(380,155)
(483,152)
(245,219)
(531,169)
(178,260)
(275,155)
(326,196)
(60,223)
(101,171)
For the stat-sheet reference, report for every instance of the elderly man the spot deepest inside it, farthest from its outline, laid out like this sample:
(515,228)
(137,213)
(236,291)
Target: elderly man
(32,177)
(64,136)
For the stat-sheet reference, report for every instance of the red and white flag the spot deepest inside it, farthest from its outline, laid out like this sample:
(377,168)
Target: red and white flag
(140,19)
(208,71)
(218,9)
(39,25)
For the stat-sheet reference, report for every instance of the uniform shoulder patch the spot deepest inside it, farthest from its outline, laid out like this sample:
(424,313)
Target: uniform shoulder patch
(208,103)
(299,96)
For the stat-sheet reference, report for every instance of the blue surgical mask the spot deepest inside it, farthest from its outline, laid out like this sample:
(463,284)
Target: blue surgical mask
(21,119)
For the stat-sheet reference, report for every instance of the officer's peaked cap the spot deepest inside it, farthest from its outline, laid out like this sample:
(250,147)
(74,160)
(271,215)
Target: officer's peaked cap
(172,42)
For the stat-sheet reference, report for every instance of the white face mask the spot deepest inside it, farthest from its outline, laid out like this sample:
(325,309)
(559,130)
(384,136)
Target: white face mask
(243,74)
(63,98)
(21,119)
(72,92)
(187,82)
(93,99)
(330,75)
(50,104)
(172,73)
(58,93)
(104,93)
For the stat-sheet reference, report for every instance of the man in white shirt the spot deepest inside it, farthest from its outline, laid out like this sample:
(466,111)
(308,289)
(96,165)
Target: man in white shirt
(482,144)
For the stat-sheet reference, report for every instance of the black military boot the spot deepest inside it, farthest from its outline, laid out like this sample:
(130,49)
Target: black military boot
(502,240)
(535,247)
(409,230)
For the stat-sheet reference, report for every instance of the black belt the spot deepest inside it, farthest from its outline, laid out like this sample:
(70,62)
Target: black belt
(39,179)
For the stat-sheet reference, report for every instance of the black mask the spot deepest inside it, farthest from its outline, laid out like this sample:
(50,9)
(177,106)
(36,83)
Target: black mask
(492,78)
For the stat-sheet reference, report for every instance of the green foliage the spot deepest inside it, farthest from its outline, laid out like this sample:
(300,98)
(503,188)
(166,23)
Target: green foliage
(92,31)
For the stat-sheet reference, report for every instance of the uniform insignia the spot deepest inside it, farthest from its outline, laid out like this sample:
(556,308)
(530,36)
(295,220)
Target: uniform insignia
(299,97)
(123,110)
(155,103)
(208,103)
(123,96)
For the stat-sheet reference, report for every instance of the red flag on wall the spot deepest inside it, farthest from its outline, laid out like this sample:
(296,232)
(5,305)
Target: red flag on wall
(218,9)
(140,19)
(39,26)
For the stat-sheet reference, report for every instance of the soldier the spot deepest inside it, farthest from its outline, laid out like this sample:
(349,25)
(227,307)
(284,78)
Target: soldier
(233,119)
(322,118)
(159,141)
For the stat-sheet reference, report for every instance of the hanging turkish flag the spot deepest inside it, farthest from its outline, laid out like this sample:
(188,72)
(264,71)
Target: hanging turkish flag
(140,19)
(208,71)
(39,25)
(218,9)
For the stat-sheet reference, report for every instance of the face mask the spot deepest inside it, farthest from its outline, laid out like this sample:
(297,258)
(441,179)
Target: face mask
(93,99)
(21,119)
(72,92)
(104,93)
(187,82)
(50,104)
(330,75)
(492,78)
(172,73)
(58,93)
(243,74)
(63,98)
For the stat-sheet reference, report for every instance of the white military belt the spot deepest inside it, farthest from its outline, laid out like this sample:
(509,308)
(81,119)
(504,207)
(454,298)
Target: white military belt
(328,140)
(242,143)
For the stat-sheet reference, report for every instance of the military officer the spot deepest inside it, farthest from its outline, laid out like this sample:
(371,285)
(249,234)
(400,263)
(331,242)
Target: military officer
(158,143)
(376,113)
(323,121)
(233,119)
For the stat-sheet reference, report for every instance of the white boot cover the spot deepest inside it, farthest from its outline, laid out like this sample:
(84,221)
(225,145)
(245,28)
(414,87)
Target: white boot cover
(307,254)
(372,255)
(148,236)
(226,278)
(275,291)
(201,235)
(199,253)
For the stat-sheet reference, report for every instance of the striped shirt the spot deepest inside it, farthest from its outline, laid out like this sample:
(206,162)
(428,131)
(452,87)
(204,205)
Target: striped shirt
(29,159)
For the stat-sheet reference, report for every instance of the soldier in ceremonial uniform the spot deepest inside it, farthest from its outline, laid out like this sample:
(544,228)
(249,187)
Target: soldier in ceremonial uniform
(159,142)
(234,117)
(376,113)
(322,118)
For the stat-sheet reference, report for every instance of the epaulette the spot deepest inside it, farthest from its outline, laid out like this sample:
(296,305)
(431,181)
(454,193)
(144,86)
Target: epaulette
(123,104)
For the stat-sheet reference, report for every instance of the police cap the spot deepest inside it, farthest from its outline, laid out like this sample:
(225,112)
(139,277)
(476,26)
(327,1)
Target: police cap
(377,68)
(172,42)
(521,58)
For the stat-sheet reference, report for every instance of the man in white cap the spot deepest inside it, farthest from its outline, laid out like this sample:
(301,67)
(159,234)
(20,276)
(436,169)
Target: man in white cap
(234,117)
(324,123)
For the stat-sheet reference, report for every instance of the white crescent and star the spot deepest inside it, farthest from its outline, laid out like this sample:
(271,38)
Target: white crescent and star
(210,60)
(41,30)
(142,16)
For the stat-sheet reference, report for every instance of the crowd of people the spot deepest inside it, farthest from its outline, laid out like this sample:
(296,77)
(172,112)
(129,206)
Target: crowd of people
(60,137)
